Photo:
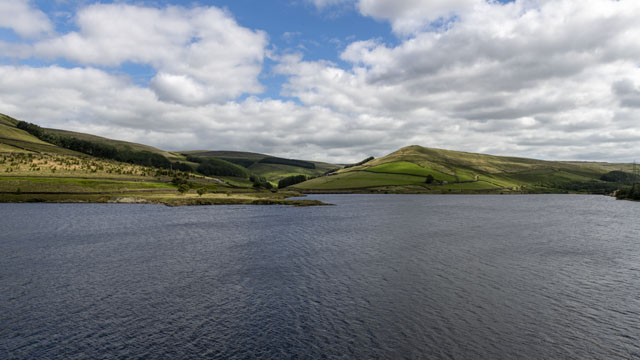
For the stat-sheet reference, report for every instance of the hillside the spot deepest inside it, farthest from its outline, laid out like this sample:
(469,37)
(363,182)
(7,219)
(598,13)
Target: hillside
(13,139)
(412,169)
(408,169)
(107,170)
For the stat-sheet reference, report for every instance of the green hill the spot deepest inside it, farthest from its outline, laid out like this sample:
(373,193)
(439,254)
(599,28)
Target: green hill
(407,170)
(412,169)
(236,168)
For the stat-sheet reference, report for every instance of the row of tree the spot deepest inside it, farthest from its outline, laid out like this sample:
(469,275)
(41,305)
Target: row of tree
(290,162)
(360,162)
(291,180)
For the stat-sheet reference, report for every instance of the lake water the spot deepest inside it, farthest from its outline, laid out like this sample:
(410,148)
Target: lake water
(377,276)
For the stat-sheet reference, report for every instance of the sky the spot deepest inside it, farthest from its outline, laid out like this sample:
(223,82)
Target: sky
(332,80)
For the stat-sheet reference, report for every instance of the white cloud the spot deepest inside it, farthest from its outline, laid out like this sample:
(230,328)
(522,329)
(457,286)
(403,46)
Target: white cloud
(22,18)
(505,78)
(201,54)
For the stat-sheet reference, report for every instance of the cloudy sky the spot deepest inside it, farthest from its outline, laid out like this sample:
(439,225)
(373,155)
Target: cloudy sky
(334,80)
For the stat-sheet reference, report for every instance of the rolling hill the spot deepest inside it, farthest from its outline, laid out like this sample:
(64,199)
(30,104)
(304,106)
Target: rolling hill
(408,169)
(412,169)
(236,168)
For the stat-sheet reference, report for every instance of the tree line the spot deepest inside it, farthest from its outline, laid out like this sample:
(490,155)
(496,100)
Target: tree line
(290,162)
(291,180)
(360,162)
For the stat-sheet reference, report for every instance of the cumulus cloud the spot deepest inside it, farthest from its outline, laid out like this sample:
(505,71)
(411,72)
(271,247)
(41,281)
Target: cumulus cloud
(23,19)
(200,54)
(503,77)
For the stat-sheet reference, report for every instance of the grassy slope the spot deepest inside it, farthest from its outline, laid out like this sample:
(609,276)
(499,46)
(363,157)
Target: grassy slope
(13,140)
(462,171)
(8,120)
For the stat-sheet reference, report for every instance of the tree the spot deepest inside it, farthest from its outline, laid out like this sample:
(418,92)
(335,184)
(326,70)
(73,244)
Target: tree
(429,179)
(183,188)
(201,191)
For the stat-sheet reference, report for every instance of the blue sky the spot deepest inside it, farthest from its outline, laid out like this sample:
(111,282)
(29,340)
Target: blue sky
(334,80)
(292,26)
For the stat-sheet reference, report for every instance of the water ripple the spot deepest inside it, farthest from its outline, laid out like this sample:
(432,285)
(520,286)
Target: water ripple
(448,277)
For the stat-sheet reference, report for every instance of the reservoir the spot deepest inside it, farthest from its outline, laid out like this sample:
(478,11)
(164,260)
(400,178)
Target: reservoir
(375,276)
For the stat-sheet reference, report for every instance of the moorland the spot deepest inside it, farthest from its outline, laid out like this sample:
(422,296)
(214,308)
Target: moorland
(50,165)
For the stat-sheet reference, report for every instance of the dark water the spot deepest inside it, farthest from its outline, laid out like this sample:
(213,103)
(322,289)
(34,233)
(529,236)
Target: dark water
(406,276)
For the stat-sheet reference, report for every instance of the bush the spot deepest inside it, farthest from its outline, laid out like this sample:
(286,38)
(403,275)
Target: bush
(429,179)
(201,191)
(183,188)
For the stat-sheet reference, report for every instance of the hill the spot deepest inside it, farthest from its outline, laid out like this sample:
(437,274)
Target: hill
(412,169)
(420,169)
(106,170)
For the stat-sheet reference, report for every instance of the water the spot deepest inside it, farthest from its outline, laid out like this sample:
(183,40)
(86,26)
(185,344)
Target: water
(377,276)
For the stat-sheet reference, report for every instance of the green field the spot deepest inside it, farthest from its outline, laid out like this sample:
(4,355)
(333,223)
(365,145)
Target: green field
(357,180)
